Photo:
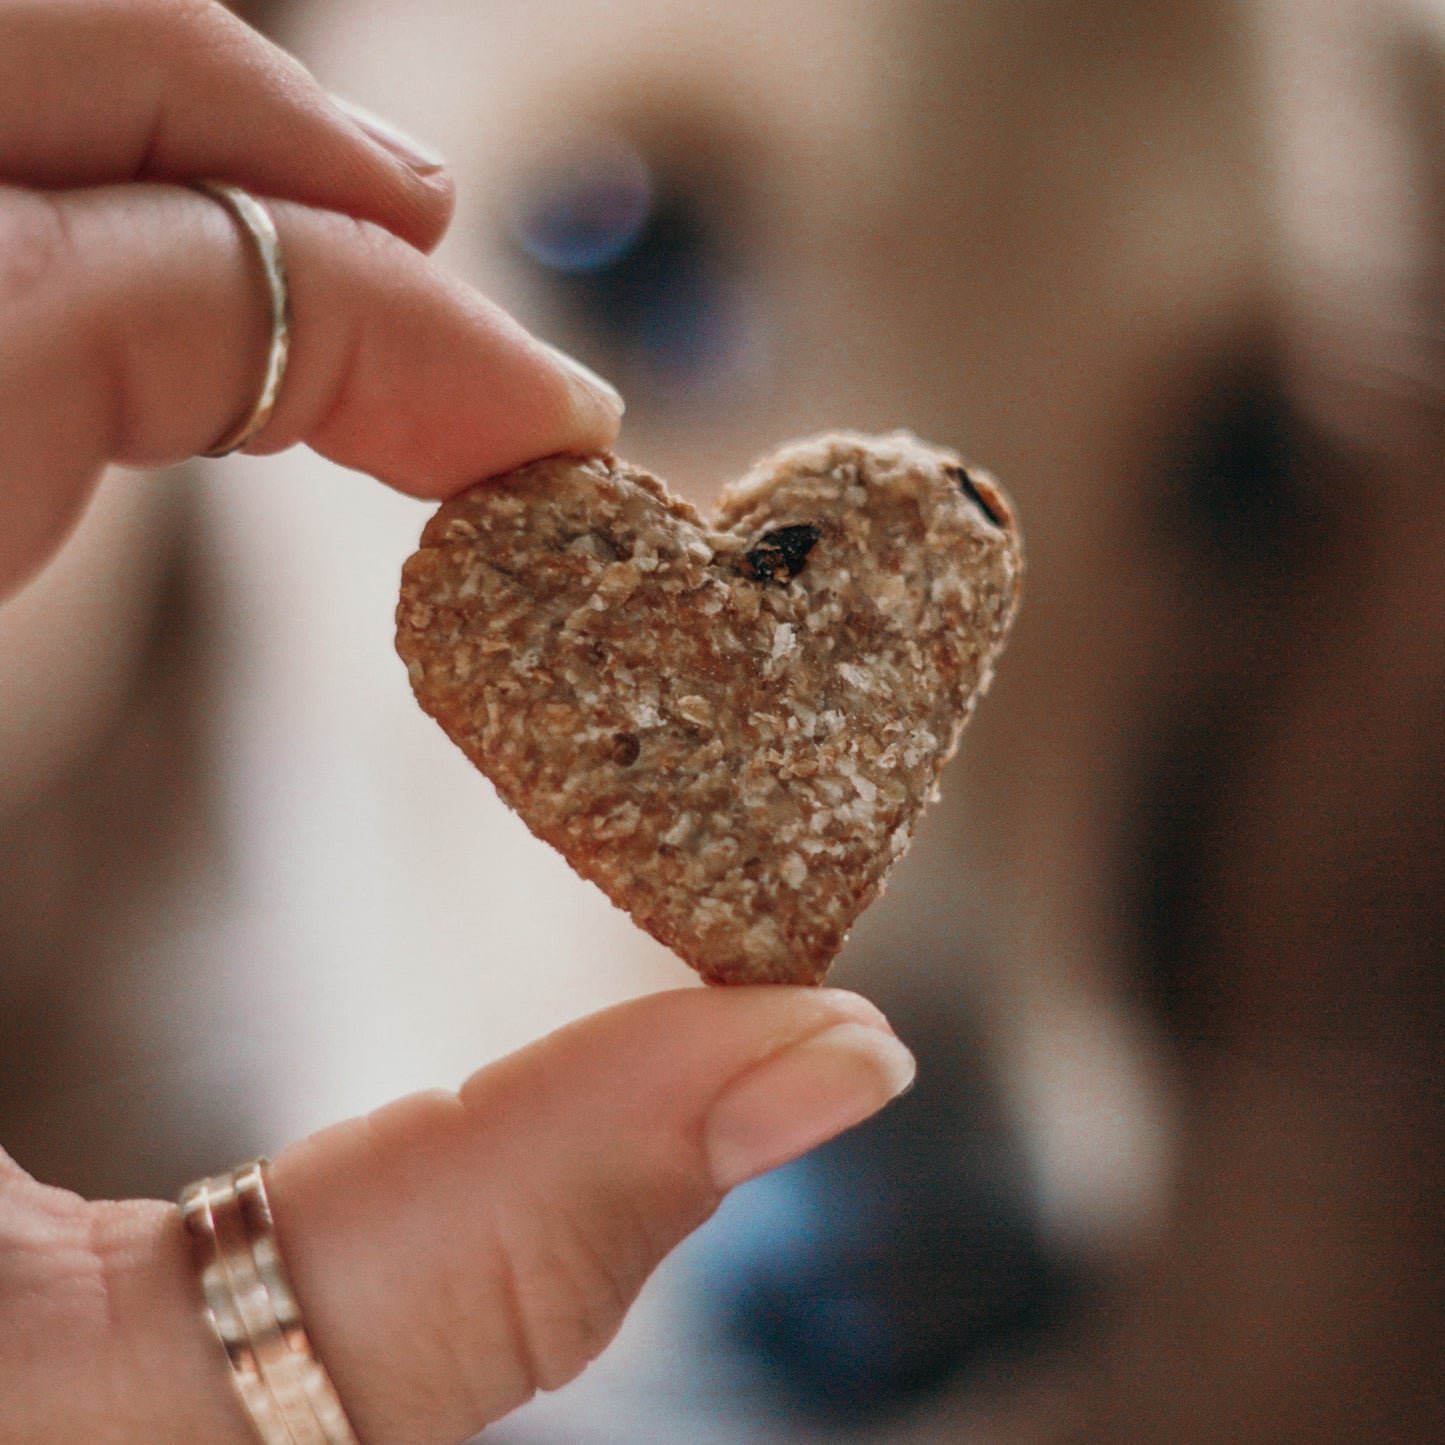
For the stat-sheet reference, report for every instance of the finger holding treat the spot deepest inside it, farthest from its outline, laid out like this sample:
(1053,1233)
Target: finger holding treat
(140,319)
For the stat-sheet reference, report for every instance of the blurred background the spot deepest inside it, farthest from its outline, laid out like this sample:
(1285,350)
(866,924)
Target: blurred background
(1169,951)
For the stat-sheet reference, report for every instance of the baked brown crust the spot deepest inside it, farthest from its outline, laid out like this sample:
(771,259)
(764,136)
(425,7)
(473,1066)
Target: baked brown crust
(729,726)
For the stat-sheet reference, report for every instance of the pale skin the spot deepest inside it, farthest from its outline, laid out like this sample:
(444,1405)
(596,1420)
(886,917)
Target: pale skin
(453,1252)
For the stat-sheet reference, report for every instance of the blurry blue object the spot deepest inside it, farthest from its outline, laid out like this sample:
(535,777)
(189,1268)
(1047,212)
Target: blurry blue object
(896,1259)
(637,262)
(587,214)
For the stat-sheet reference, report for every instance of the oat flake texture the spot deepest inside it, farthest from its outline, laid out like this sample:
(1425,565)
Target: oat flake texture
(729,725)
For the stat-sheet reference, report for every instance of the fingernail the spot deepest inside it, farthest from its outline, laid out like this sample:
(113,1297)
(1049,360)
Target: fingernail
(797,1099)
(597,385)
(407,149)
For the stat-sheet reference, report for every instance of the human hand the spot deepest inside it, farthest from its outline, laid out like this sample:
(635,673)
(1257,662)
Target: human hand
(454,1251)
(132,316)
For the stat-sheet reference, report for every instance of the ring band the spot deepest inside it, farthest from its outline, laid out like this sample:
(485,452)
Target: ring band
(256,222)
(252,1307)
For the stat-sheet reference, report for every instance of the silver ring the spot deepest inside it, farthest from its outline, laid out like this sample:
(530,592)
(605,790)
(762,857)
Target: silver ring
(251,1305)
(256,222)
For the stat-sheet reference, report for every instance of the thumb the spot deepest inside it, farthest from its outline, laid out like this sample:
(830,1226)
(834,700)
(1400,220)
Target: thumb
(454,1253)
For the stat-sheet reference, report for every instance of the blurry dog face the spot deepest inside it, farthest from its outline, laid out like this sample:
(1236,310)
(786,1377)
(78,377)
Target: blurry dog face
(1164,267)
(1171,270)
(1039,242)
(1032,241)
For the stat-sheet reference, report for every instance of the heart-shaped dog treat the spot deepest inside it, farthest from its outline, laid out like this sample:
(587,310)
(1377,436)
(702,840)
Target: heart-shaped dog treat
(729,726)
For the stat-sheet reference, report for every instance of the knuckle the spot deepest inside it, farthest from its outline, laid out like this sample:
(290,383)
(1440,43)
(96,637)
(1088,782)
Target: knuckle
(546,1303)
(199,18)
(182,27)
(364,250)
(35,250)
(206,36)
(47,1253)
(573,1280)
(374,244)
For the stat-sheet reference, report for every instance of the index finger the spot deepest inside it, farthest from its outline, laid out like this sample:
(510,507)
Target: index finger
(133,327)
